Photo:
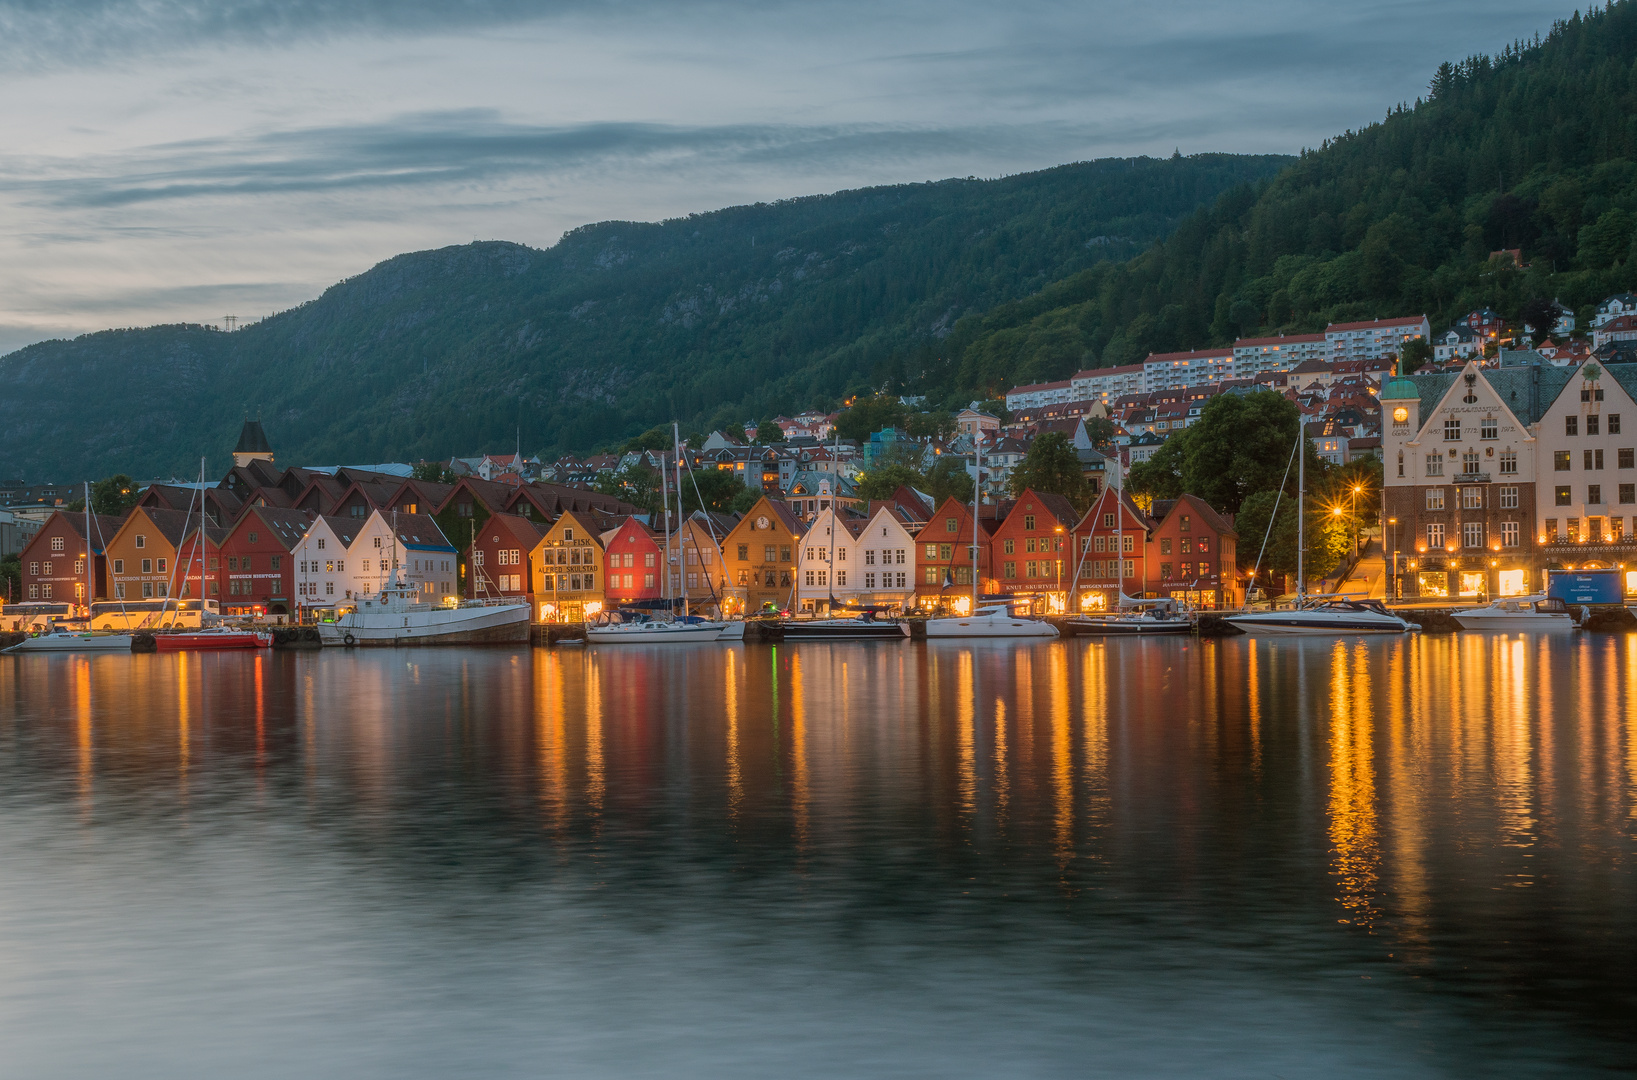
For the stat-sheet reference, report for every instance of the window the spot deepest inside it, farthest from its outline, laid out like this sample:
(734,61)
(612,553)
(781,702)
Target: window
(1203,544)
(1561,461)
(898,556)
(1165,545)
(1571,425)
(784,552)
(79,567)
(321,543)
(1591,459)
(1401,463)
(1550,531)
(1099,542)
(1472,498)
(1469,462)
(329,588)
(1509,498)
(1509,461)
(744,554)
(147,566)
(1435,534)
(1435,464)
(946,552)
(1009,569)
(119,590)
(1509,534)
(931,553)
(1108,521)
(1562,496)
(1594,493)
(1572,528)
(1591,424)
(647,581)
(1628,493)
(1185,522)
(1028,522)
(1472,534)
(161,566)
(1614,423)
(949,524)
(1165,571)
(147,590)
(57,543)
(1488,428)
(1435,501)
(1452,429)
(1009,546)
(142,541)
(277,560)
(341,566)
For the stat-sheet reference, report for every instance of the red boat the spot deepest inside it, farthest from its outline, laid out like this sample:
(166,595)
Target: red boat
(214,638)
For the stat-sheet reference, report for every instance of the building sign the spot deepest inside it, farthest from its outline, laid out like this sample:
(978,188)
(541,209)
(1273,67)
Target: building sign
(1585,586)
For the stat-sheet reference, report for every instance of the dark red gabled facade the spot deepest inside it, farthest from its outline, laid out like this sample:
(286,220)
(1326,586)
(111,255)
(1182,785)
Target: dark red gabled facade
(53,563)
(257,568)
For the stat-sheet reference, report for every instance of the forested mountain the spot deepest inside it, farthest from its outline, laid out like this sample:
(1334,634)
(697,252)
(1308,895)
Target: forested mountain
(711,318)
(1534,149)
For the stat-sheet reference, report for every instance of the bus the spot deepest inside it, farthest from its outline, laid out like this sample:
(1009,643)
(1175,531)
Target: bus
(153,614)
(34,617)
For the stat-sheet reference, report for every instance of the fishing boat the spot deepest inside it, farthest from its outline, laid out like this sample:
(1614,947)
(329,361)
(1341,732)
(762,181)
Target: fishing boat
(1537,613)
(991,621)
(1327,615)
(865,627)
(397,616)
(987,620)
(213,638)
(1145,618)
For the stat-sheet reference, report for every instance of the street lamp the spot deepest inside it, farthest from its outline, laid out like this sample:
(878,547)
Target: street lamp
(1353,509)
(1398,591)
(1058,559)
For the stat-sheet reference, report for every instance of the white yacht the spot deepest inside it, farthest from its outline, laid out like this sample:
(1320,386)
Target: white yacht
(1331,615)
(398,617)
(991,621)
(63,639)
(623,628)
(1538,613)
(1137,618)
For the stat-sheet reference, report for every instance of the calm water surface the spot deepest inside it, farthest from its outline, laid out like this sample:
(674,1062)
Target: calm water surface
(1408,857)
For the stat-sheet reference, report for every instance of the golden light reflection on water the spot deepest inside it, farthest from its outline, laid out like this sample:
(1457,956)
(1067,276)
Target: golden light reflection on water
(83,729)
(732,677)
(966,690)
(1062,767)
(1352,808)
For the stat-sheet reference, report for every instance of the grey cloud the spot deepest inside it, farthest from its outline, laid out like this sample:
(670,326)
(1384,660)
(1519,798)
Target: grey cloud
(475,147)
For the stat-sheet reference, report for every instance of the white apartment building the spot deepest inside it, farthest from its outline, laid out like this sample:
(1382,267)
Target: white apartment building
(1253,356)
(1107,384)
(1588,461)
(862,562)
(1376,338)
(1036,395)
(1180,370)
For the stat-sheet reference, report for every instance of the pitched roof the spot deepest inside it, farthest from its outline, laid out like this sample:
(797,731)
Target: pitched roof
(286,526)
(520,528)
(252,439)
(1403,320)
(419,532)
(1279,339)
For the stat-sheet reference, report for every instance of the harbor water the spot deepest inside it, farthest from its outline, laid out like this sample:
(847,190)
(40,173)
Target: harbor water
(1407,856)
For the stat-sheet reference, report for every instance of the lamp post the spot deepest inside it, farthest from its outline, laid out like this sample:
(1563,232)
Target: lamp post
(1352,506)
(1398,591)
(1057,553)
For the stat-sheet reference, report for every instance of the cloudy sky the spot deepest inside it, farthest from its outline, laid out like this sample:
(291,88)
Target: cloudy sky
(170,160)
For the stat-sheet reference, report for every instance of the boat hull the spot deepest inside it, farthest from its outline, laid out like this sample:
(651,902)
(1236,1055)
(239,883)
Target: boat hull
(74,643)
(957,627)
(655,633)
(501,625)
(833,630)
(1277,624)
(1129,627)
(210,642)
(1539,623)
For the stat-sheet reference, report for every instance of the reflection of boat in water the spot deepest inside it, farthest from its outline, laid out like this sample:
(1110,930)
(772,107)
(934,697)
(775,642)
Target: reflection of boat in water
(214,638)
(62,639)
(1323,615)
(398,617)
(1537,612)
(990,621)
(1146,618)
(866,627)
(628,628)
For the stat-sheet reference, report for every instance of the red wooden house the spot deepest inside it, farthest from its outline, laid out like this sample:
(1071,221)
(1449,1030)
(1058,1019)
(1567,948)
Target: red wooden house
(1030,547)
(1194,554)
(631,563)
(1098,539)
(498,558)
(943,552)
(258,565)
(53,563)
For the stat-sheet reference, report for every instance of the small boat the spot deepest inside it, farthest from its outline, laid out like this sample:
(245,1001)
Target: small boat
(640,629)
(1538,613)
(1139,618)
(62,639)
(992,621)
(398,617)
(216,637)
(866,627)
(1320,615)
(733,630)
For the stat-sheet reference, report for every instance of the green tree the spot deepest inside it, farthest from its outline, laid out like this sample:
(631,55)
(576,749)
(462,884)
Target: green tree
(1101,431)
(870,414)
(717,487)
(882,480)
(113,496)
(1052,467)
(11,577)
(744,500)
(1328,537)
(1414,354)
(930,425)
(1241,444)
(637,484)
(768,433)
(949,478)
(658,437)
(434,472)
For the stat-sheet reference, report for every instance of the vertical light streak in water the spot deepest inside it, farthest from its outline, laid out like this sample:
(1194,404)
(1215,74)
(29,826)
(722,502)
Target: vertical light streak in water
(595,779)
(1513,719)
(258,677)
(1353,840)
(1094,698)
(1253,687)
(1540,707)
(1407,804)
(1586,684)
(736,788)
(965,719)
(1628,729)
(798,751)
(549,722)
(182,748)
(1062,768)
(83,729)
(1000,761)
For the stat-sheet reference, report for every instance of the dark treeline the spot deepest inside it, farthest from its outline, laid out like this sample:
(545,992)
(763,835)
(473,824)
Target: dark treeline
(1533,149)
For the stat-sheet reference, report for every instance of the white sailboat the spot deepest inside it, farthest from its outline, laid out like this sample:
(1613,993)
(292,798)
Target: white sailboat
(65,639)
(986,620)
(1328,615)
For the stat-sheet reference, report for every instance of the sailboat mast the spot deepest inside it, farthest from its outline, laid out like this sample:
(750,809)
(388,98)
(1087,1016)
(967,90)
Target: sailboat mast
(977,500)
(88,570)
(1301,512)
(665,506)
(681,522)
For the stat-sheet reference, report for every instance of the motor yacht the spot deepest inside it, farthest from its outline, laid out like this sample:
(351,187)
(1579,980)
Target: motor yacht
(992,621)
(1333,615)
(64,639)
(1536,613)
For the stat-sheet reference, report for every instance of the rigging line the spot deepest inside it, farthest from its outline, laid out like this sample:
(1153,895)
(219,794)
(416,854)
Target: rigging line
(1274,516)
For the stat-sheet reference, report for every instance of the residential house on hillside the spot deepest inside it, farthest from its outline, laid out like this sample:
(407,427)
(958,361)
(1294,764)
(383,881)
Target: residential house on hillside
(1183,369)
(1104,385)
(1613,308)
(1376,338)
(1620,328)
(1457,343)
(971,421)
(1253,356)
(1035,395)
